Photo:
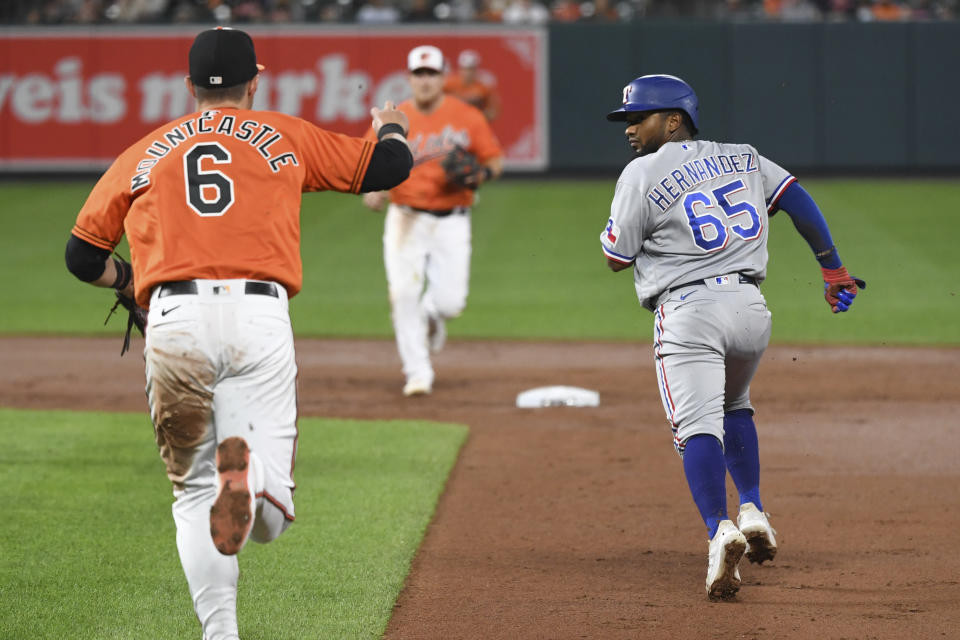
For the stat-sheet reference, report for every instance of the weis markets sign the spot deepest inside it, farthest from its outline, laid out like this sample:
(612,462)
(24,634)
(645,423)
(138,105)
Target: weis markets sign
(74,99)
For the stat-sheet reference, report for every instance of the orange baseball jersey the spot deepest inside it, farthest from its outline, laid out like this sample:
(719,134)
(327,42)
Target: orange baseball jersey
(432,136)
(478,94)
(216,195)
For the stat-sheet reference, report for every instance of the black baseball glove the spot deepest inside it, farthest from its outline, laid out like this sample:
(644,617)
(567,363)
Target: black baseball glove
(462,168)
(137,318)
(137,315)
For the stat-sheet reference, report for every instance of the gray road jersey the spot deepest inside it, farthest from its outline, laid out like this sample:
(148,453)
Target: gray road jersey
(692,210)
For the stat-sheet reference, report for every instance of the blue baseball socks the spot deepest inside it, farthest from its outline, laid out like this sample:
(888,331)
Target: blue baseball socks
(742,454)
(706,473)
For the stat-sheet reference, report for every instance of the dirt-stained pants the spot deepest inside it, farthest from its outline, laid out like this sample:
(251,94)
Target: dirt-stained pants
(220,363)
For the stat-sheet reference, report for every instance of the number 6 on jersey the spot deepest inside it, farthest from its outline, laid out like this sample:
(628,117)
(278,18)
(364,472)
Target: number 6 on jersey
(200,183)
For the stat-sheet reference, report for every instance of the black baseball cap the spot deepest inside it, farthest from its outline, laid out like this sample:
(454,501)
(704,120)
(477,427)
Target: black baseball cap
(222,57)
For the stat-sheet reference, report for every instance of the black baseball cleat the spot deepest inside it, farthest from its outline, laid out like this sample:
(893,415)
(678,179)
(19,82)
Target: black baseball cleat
(231,516)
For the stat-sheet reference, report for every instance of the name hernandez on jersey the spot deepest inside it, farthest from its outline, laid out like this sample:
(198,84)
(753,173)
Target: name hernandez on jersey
(691,174)
(692,210)
(256,134)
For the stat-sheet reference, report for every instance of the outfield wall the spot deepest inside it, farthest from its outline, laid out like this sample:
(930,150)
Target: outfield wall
(830,98)
(72,99)
(822,97)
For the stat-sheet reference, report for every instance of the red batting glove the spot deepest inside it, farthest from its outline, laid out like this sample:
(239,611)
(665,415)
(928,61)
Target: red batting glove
(840,288)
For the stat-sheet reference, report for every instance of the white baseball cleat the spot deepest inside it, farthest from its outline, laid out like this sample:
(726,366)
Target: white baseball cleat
(436,333)
(417,387)
(726,549)
(231,516)
(761,537)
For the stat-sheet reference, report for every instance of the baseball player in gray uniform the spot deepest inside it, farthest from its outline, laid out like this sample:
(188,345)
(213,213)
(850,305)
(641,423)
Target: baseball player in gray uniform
(691,217)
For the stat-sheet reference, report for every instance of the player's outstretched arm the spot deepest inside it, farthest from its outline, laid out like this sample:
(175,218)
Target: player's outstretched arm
(839,287)
(390,164)
(391,161)
(390,115)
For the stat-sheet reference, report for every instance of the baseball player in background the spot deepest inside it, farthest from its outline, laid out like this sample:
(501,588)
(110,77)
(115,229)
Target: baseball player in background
(210,204)
(691,218)
(467,85)
(426,239)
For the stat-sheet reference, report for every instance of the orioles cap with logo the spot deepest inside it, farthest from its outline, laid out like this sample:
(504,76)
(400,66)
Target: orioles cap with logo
(222,57)
(425,57)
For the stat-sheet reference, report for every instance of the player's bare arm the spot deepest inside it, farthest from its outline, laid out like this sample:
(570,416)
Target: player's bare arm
(390,115)
(392,157)
(376,200)
(494,168)
(489,170)
(616,265)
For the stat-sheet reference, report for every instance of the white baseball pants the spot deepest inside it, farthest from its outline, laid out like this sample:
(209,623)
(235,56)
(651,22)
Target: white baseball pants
(220,363)
(427,260)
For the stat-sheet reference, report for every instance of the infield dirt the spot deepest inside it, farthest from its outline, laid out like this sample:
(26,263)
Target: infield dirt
(577,523)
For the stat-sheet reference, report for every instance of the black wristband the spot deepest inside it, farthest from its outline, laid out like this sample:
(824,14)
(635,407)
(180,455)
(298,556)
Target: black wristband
(124,274)
(487,174)
(390,127)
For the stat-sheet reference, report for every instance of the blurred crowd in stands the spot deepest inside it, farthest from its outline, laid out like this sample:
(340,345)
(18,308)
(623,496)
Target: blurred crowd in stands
(526,12)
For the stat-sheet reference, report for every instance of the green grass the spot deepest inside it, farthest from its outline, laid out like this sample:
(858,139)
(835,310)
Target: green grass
(537,268)
(88,546)
(897,235)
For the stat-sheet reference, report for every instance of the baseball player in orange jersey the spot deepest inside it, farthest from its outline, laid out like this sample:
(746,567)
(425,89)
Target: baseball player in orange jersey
(426,239)
(210,204)
(467,85)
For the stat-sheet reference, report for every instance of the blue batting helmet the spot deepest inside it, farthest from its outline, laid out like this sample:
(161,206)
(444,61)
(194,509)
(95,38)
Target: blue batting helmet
(656,93)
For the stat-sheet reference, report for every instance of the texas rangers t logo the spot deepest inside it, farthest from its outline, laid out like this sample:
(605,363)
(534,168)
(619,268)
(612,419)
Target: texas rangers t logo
(612,231)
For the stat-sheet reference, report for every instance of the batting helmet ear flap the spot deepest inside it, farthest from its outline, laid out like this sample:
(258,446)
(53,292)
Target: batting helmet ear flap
(657,93)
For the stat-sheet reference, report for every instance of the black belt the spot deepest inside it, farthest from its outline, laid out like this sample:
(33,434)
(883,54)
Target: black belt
(442,213)
(744,279)
(189,287)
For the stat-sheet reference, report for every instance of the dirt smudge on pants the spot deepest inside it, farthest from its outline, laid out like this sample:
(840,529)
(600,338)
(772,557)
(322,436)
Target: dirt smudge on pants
(179,389)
